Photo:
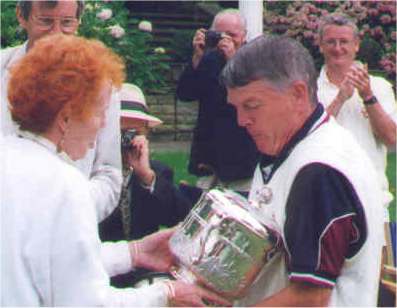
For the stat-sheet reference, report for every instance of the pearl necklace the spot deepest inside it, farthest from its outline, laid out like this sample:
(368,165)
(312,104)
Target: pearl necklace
(44,142)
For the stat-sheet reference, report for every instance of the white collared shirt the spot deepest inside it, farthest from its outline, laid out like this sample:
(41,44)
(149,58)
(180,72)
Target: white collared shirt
(353,117)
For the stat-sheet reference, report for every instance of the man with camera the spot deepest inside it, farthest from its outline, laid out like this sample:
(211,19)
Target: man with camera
(149,198)
(222,153)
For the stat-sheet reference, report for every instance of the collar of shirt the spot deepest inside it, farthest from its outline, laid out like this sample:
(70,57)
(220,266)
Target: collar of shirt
(44,142)
(323,78)
(269,164)
(19,53)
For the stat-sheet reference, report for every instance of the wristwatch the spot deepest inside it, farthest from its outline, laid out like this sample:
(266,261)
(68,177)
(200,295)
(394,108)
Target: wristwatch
(370,101)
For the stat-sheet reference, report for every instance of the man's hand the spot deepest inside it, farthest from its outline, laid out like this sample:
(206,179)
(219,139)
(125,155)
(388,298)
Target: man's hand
(227,46)
(359,78)
(138,160)
(189,295)
(346,90)
(152,252)
(198,47)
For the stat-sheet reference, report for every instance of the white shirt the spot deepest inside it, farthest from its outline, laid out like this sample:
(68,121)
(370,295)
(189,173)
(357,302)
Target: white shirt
(50,249)
(352,116)
(102,164)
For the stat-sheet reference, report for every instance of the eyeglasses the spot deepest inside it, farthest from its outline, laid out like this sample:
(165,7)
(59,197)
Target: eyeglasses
(67,24)
(341,42)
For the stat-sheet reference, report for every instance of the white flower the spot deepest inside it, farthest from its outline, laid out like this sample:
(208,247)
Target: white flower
(145,25)
(105,14)
(88,7)
(159,50)
(116,31)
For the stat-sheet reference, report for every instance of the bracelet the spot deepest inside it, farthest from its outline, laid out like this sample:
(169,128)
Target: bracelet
(136,250)
(370,101)
(170,291)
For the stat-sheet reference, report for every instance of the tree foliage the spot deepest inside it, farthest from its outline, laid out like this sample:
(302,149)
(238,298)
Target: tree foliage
(109,22)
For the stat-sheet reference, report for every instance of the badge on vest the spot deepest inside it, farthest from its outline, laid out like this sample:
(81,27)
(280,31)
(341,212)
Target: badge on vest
(264,195)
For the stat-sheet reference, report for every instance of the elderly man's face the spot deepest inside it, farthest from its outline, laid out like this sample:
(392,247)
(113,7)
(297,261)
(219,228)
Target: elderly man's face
(271,116)
(339,45)
(231,25)
(45,20)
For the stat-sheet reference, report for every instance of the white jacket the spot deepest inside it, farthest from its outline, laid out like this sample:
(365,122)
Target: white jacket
(102,164)
(49,237)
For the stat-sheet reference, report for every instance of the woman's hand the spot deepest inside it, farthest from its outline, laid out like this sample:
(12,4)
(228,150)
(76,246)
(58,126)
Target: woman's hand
(152,252)
(189,295)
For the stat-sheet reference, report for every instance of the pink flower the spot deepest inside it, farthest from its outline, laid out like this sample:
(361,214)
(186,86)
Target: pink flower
(308,34)
(105,14)
(145,26)
(385,19)
(373,12)
(383,7)
(312,25)
(393,36)
(116,31)
(377,32)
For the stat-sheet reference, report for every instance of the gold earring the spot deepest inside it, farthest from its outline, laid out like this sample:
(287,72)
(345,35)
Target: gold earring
(61,143)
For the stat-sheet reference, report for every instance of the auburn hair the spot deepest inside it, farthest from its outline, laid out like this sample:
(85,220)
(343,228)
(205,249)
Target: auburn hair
(60,70)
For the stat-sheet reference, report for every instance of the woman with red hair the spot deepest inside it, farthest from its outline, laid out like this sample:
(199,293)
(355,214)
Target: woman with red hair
(51,252)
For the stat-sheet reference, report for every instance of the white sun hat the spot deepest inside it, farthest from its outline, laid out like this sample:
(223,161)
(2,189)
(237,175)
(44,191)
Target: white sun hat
(133,105)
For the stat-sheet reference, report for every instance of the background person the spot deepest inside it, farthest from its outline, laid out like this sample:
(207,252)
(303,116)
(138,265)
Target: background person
(151,199)
(221,152)
(363,104)
(314,183)
(51,256)
(102,163)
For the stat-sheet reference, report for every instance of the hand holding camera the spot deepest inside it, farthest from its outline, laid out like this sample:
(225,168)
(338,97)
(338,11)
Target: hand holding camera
(198,47)
(126,138)
(210,39)
(136,153)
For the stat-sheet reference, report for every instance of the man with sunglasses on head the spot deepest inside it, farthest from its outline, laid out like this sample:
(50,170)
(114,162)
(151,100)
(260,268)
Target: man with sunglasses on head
(102,164)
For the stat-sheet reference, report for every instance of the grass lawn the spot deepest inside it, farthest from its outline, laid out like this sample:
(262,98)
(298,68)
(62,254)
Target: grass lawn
(179,161)
(391,175)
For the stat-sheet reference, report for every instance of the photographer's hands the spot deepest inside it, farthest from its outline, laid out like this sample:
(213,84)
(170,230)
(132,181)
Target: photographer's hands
(138,160)
(227,46)
(198,47)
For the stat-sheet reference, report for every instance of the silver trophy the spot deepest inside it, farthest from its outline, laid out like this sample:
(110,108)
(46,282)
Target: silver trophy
(221,244)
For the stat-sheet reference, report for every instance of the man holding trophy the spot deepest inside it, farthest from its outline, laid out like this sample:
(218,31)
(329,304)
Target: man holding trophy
(314,189)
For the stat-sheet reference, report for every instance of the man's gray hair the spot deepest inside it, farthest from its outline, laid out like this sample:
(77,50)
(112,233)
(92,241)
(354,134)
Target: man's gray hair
(278,60)
(26,7)
(233,12)
(337,19)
